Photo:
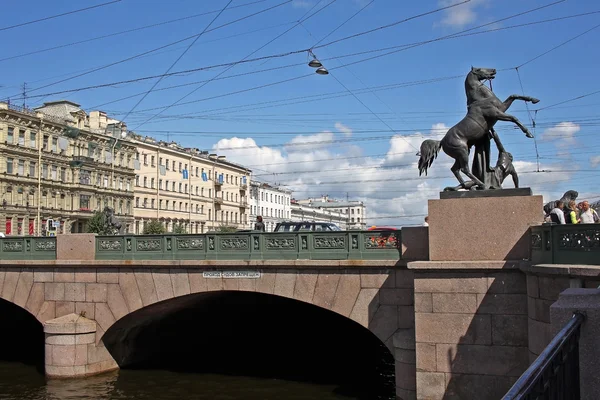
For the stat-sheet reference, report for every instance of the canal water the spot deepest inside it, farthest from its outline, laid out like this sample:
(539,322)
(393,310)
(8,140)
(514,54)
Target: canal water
(25,382)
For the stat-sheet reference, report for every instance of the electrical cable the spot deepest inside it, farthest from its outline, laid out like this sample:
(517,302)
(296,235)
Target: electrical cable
(233,65)
(58,15)
(61,46)
(177,60)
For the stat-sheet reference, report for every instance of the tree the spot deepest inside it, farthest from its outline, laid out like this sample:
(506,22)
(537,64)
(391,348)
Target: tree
(154,227)
(96,225)
(226,229)
(179,229)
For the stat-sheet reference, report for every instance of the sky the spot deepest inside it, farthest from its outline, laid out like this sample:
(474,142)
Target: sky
(231,77)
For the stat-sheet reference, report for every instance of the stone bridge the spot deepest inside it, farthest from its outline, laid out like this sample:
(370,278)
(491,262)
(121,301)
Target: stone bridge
(455,327)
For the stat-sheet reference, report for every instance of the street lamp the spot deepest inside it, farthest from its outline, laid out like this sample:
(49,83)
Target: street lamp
(315,63)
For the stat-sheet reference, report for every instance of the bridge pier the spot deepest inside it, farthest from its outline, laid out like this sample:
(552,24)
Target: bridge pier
(71,349)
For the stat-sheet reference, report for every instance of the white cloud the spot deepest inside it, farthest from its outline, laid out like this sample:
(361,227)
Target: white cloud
(343,128)
(563,133)
(304,143)
(595,161)
(462,15)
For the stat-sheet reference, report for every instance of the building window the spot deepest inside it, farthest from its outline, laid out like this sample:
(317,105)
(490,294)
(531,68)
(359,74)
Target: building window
(137,181)
(145,159)
(21,138)
(167,185)
(186,188)
(106,181)
(152,161)
(85,176)
(173,185)
(180,186)
(197,175)
(21,167)
(9,165)
(120,183)
(45,171)
(179,167)
(10,135)
(32,139)
(145,202)
(167,164)
(128,185)
(32,169)
(152,183)
(152,203)
(128,209)
(160,204)
(63,174)
(54,175)
(54,144)
(84,202)
(145,181)
(173,165)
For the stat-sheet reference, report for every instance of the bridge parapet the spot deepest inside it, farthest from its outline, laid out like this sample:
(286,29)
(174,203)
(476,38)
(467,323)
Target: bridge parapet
(28,248)
(566,244)
(344,245)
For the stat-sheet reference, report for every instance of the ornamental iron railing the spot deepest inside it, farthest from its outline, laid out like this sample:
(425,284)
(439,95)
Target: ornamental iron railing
(566,244)
(555,373)
(27,248)
(342,245)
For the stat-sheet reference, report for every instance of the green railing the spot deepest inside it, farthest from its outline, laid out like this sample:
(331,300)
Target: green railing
(345,245)
(566,244)
(27,248)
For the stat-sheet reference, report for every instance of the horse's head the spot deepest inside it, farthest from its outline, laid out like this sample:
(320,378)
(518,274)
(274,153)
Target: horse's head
(484,73)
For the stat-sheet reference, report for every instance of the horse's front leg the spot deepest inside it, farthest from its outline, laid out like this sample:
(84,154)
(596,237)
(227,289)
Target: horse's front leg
(502,116)
(509,100)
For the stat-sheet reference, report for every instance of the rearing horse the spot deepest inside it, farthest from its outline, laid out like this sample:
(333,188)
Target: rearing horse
(484,109)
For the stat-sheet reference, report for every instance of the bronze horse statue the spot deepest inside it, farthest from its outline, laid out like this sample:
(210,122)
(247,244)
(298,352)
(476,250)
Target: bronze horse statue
(484,109)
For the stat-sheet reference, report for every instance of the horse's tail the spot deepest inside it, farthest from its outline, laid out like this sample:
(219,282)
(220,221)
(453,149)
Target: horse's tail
(429,151)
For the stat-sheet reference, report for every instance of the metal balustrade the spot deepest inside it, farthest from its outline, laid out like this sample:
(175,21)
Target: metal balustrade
(555,373)
(566,244)
(343,245)
(27,248)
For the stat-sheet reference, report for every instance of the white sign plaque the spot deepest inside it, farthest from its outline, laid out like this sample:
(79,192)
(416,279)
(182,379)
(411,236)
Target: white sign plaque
(232,274)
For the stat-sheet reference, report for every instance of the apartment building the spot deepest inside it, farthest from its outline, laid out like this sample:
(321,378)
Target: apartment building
(186,187)
(58,165)
(272,203)
(355,211)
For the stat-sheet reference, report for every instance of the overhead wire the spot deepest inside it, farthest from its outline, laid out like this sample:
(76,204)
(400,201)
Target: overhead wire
(406,47)
(177,60)
(5,28)
(233,65)
(304,50)
(109,35)
(155,49)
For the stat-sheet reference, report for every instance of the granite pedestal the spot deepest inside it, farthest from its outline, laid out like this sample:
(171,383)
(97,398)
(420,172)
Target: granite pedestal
(483,225)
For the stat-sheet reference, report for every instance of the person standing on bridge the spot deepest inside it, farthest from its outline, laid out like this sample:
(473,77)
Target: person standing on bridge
(259,225)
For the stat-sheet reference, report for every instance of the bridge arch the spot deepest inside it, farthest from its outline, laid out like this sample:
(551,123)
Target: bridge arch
(366,297)
(21,335)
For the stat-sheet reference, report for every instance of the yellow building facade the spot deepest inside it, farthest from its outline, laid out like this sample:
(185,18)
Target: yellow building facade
(58,165)
(186,188)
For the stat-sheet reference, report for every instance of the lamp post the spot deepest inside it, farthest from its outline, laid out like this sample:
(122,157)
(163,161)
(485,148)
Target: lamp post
(39,201)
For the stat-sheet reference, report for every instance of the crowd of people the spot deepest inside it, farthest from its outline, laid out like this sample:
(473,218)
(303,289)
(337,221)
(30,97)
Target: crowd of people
(572,213)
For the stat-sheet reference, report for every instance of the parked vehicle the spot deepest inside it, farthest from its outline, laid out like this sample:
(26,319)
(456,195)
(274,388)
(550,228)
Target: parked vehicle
(306,226)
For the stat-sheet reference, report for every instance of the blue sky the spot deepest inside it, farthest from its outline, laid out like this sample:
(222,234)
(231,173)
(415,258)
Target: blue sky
(362,123)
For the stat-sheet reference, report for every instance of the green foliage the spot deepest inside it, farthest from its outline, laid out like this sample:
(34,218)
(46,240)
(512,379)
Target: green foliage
(226,229)
(96,225)
(179,229)
(154,227)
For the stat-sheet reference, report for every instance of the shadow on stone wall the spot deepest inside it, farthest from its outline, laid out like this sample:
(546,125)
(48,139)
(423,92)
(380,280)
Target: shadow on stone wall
(471,332)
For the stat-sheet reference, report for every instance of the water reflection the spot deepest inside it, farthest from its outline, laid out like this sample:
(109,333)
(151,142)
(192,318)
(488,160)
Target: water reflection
(21,382)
